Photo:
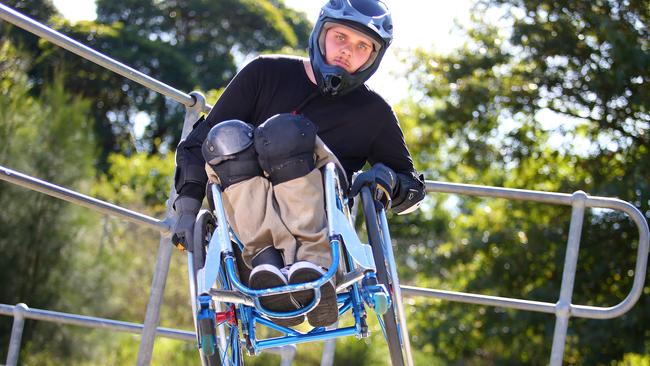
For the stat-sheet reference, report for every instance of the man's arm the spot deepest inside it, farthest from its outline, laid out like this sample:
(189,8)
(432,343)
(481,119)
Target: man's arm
(389,148)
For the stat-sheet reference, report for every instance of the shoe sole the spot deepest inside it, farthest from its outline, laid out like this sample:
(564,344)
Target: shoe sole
(280,302)
(327,311)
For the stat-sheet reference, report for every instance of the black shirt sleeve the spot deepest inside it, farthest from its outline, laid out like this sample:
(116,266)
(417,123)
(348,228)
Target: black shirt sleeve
(236,102)
(389,146)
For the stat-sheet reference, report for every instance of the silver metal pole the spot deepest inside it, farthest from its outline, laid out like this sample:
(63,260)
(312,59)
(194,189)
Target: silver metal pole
(63,41)
(287,353)
(329,349)
(65,194)
(90,322)
(563,310)
(641,262)
(504,302)
(508,193)
(16,334)
(397,291)
(152,316)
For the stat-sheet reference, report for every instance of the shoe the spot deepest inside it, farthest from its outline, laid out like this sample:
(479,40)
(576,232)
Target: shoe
(266,276)
(327,311)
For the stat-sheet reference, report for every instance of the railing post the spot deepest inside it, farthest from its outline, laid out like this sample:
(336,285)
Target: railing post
(287,355)
(152,316)
(16,334)
(563,307)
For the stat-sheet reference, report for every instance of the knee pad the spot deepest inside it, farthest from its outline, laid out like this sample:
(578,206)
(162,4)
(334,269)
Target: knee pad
(228,149)
(285,146)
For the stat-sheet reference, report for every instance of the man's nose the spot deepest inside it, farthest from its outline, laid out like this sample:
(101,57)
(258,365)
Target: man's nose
(346,49)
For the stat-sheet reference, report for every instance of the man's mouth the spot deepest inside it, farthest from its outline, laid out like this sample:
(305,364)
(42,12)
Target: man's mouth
(342,63)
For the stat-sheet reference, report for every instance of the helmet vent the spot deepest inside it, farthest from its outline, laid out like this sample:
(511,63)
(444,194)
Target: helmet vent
(335,4)
(388,24)
(371,8)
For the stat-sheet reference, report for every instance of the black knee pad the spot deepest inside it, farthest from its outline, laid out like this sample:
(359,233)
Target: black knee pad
(285,146)
(238,168)
(229,150)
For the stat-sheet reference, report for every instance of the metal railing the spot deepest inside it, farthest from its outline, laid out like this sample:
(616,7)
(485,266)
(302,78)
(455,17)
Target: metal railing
(195,104)
(20,312)
(563,309)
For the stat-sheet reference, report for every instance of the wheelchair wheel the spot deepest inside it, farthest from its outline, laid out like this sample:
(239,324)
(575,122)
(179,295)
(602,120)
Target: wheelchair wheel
(391,320)
(218,330)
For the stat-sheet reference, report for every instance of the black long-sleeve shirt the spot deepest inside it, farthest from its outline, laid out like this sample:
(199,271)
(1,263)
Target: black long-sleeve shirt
(358,127)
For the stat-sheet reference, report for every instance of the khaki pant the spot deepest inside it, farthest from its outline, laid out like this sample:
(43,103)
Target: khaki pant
(290,216)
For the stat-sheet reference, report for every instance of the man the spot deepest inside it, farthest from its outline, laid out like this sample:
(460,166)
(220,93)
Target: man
(266,139)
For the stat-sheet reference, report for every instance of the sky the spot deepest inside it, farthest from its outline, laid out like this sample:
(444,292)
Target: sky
(418,23)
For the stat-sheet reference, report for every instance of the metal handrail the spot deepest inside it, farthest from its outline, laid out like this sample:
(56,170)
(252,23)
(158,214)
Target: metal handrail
(90,54)
(563,309)
(20,312)
(554,198)
(65,194)
(90,321)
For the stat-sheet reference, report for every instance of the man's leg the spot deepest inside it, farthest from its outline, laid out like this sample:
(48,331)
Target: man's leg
(251,214)
(301,205)
(248,203)
(285,145)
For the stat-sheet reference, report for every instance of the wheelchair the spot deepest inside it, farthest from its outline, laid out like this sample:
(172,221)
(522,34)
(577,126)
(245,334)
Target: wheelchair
(227,313)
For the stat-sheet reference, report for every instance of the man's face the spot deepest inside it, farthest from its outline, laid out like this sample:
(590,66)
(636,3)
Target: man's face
(347,48)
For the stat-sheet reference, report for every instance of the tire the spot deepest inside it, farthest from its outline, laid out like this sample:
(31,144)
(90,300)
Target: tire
(390,318)
(220,343)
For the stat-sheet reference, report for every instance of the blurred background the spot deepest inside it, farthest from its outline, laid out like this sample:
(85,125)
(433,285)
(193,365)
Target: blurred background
(543,95)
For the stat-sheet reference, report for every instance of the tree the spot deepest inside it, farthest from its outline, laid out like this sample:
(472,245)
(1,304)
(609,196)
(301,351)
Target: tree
(477,116)
(51,138)
(188,45)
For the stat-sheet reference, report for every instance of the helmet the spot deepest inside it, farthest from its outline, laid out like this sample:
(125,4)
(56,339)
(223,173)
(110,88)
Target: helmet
(226,139)
(372,18)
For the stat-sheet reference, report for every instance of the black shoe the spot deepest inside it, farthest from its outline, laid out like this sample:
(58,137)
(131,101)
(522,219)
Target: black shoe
(327,311)
(266,276)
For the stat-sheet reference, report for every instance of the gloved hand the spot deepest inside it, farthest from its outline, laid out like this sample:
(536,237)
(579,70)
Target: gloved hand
(381,180)
(186,210)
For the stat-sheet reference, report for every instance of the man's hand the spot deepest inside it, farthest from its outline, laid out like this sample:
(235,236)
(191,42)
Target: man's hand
(381,180)
(186,210)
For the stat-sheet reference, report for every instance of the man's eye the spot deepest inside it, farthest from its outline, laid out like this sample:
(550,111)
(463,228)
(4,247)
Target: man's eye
(340,37)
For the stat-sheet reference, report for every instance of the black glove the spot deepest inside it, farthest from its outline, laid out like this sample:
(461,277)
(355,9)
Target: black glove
(381,180)
(410,194)
(186,210)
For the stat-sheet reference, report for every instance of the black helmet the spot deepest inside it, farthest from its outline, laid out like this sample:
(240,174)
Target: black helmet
(372,18)
(226,139)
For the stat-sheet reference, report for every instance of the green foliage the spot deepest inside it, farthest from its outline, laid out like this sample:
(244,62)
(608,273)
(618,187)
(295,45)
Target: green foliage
(480,115)
(632,359)
(49,137)
(186,44)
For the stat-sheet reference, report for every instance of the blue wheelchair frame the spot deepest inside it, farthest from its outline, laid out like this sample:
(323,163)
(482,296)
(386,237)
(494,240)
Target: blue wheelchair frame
(359,284)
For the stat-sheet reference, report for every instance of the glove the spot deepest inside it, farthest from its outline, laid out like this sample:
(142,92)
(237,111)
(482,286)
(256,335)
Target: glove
(186,210)
(381,180)
(410,194)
